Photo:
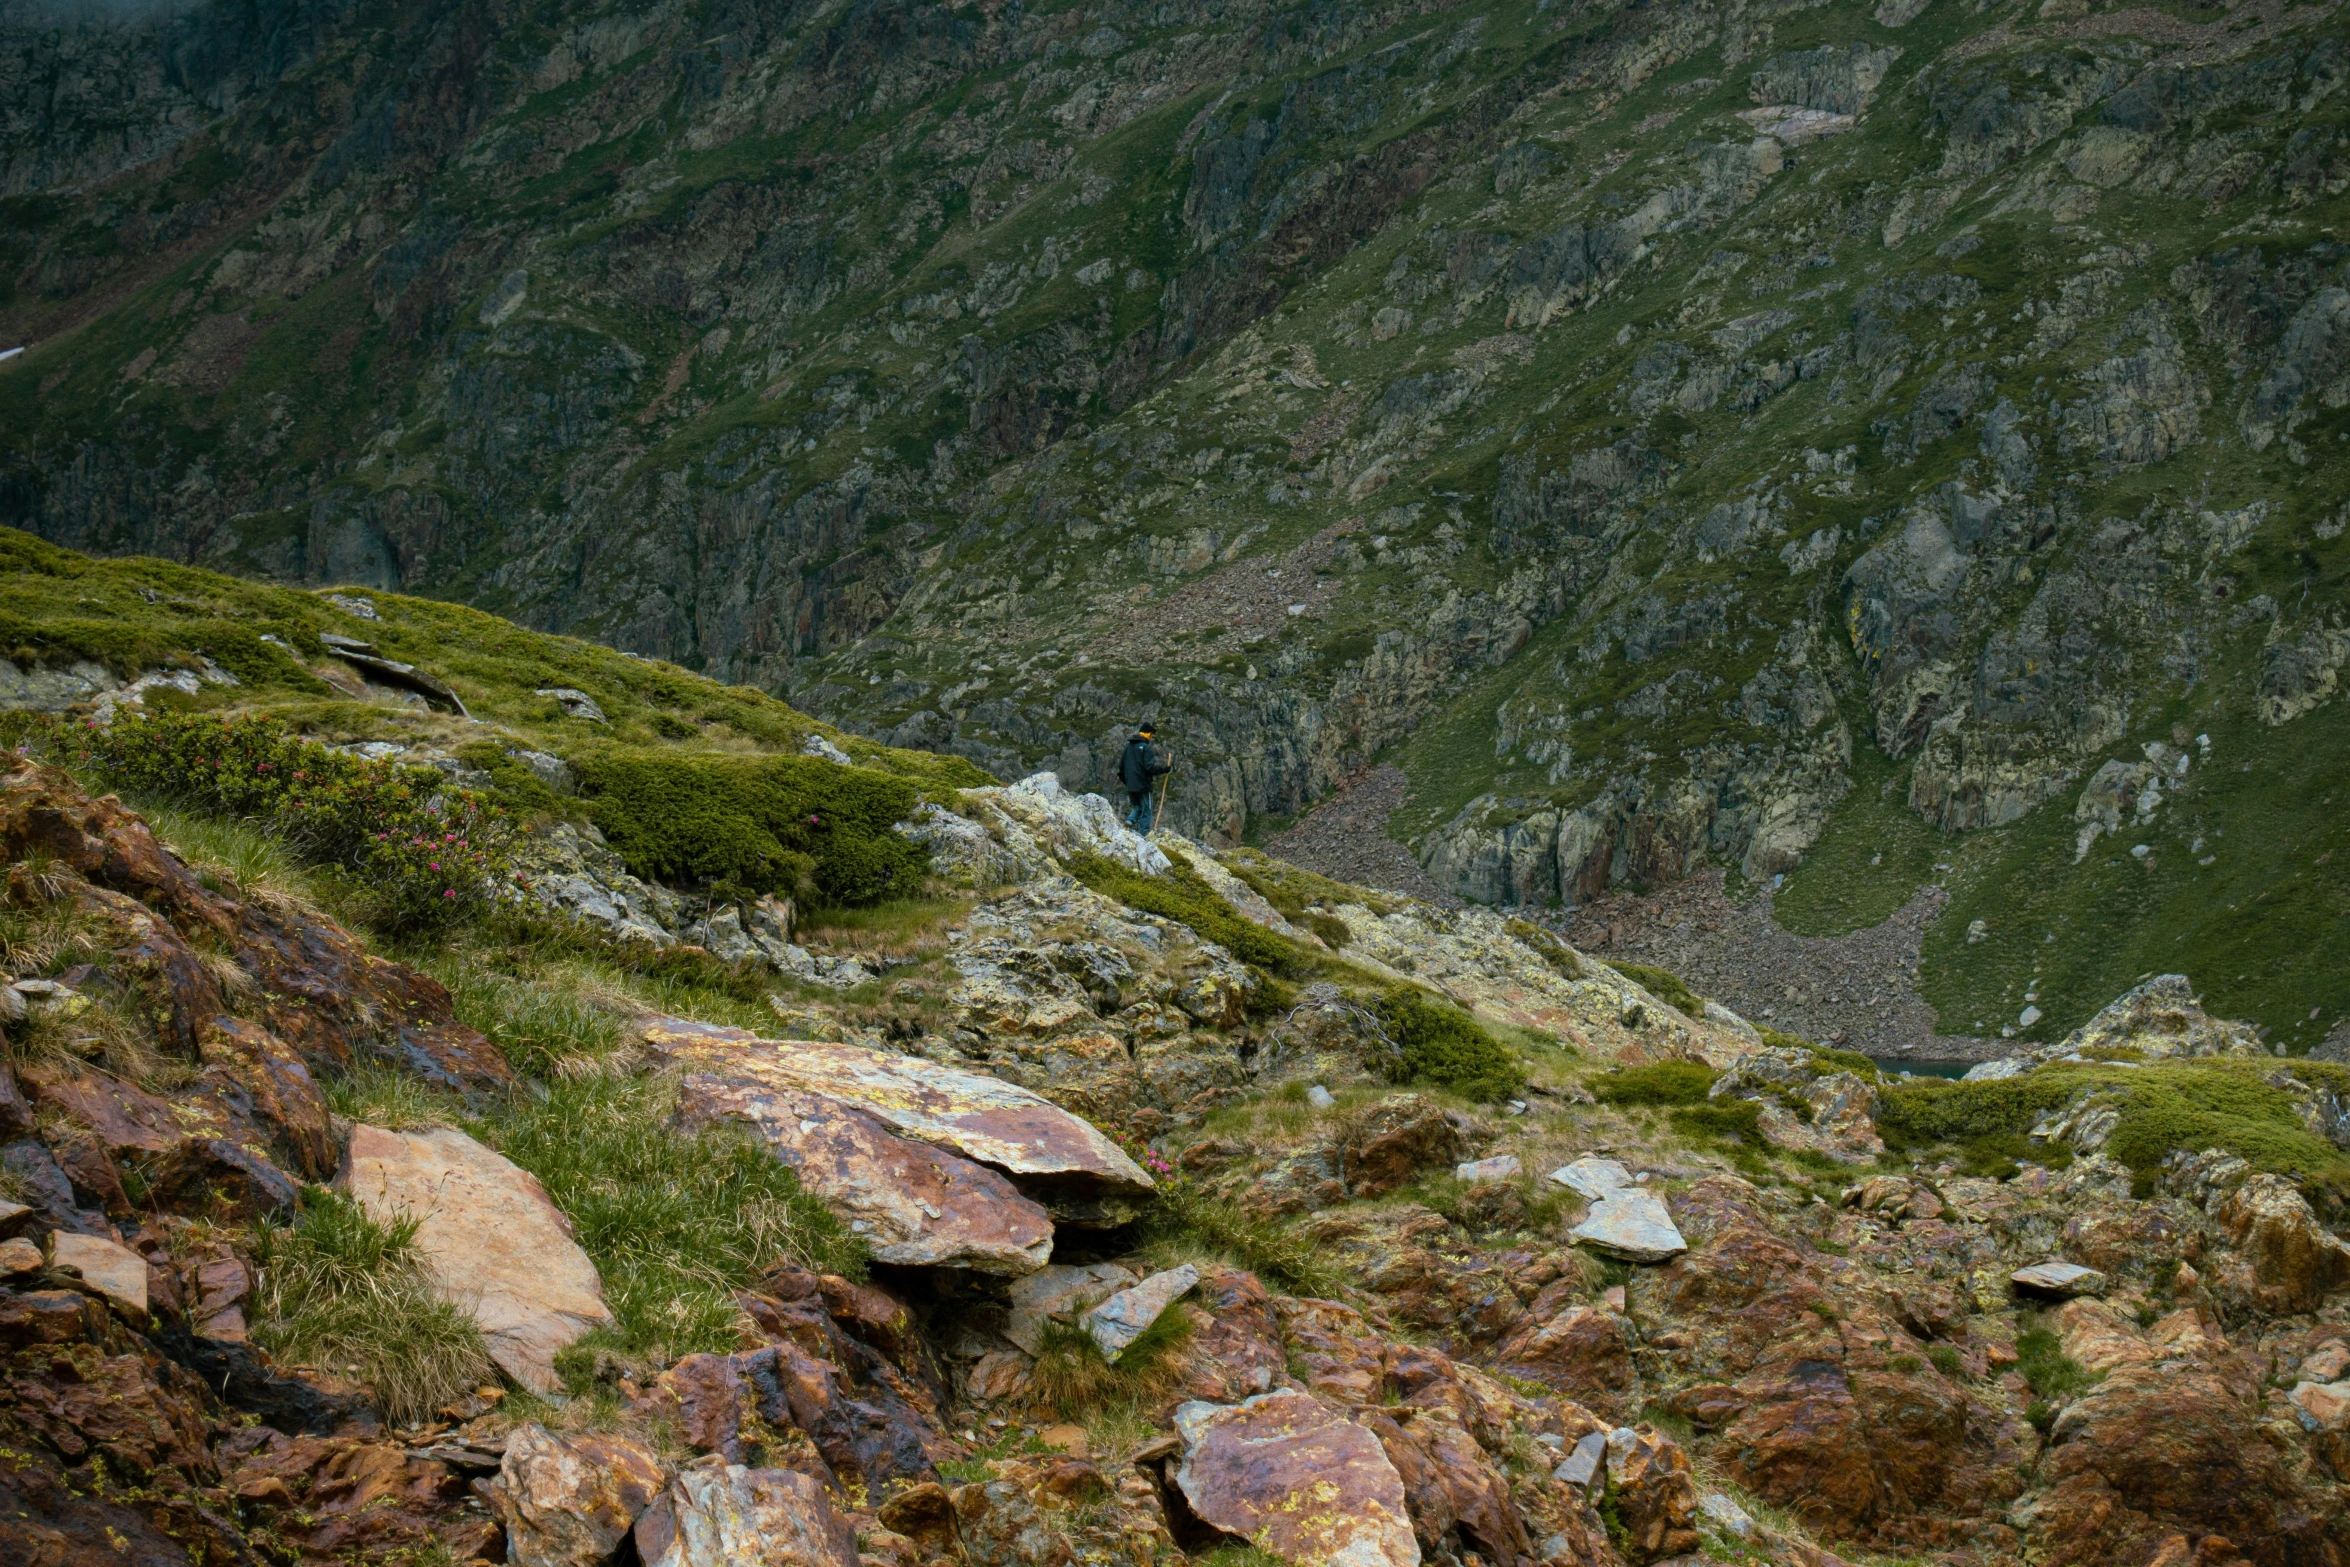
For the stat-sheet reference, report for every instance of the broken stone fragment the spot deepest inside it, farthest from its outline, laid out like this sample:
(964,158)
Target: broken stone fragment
(717,1514)
(2059,1278)
(1500,1167)
(1284,1473)
(116,1272)
(1588,1462)
(491,1241)
(1060,1291)
(1649,1481)
(570,1501)
(19,1257)
(1633,1224)
(2321,1406)
(1117,1322)
(1592,1178)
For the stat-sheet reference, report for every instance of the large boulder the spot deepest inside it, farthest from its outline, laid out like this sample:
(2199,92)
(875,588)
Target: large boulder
(490,1238)
(1283,1472)
(2287,1260)
(1049,1151)
(915,1205)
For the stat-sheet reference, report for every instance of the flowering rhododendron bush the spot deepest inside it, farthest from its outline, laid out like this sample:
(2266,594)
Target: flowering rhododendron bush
(426,851)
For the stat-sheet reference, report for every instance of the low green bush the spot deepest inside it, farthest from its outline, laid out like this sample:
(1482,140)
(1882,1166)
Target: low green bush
(798,826)
(1444,1045)
(2047,1370)
(1663,984)
(342,1292)
(425,854)
(1722,1121)
(1661,1083)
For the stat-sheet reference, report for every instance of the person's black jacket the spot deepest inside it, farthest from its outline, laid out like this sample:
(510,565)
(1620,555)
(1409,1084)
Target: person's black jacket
(1140,765)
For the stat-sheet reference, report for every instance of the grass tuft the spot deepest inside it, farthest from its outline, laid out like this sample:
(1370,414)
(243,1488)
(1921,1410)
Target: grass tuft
(1189,1223)
(675,1222)
(1073,1378)
(343,1293)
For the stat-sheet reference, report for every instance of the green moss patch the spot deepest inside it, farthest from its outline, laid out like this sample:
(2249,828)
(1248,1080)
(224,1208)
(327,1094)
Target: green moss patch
(1662,1083)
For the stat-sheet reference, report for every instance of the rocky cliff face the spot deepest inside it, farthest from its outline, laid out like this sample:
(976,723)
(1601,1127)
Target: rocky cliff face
(1675,435)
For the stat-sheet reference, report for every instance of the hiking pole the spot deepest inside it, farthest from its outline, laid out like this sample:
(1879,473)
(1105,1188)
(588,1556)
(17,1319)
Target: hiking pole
(1158,810)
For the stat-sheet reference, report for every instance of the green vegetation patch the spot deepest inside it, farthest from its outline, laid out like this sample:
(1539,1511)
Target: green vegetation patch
(1661,1083)
(1445,1046)
(1187,897)
(2227,1103)
(798,826)
(426,853)
(1663,984)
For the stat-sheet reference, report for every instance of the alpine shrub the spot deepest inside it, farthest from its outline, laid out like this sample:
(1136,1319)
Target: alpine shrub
(798,826)
(1443,1045)
(428,853)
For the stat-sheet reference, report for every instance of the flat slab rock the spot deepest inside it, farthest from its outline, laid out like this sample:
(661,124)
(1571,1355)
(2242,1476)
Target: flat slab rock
(116,1272)
(1284,1473)
(1632,1223)
(1500,1167)
(979,1117)
(491,1240)
(2059,1278)
(1592,1178)
(916,1206)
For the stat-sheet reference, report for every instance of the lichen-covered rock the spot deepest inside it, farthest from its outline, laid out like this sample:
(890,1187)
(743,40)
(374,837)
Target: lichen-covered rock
(2288,1261)
(570,1501)
(1285,1473)
(1649,1480)
(717,1514)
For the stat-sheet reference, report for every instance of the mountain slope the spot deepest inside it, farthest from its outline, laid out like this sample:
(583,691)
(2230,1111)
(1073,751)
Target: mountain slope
(1836,444)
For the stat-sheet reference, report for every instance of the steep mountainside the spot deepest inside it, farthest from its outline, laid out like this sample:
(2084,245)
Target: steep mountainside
(1867,447)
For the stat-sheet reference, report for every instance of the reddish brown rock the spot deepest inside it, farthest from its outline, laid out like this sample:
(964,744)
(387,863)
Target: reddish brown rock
(2171,1450)
(348,1498)
(312,985)
(569,1501)
(717,1514)
(1282,1471)
(981,1118)
(1058,1512)
(1458,1497)
(1236,1348)
(1583,1351)
(1398,1140)
(1648,1479)
(916,1206)
(2292,1261)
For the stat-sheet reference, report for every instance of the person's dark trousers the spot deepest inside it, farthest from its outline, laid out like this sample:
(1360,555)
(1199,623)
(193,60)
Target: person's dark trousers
(1139,818)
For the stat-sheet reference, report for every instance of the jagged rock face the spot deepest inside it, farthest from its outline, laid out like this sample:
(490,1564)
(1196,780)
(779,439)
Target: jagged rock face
(1627,422)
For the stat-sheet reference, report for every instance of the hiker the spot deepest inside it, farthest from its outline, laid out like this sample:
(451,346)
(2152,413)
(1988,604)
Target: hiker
(1140,769)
